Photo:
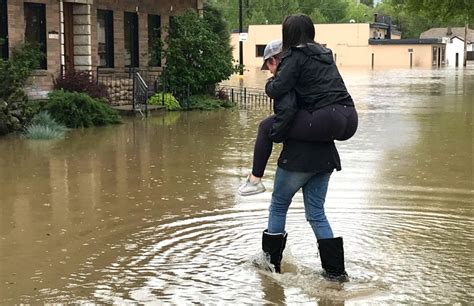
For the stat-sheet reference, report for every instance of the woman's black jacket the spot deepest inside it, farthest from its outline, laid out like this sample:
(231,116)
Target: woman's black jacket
(307,78)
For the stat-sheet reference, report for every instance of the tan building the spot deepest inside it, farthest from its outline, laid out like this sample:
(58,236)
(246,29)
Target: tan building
(353,45)
(86,34)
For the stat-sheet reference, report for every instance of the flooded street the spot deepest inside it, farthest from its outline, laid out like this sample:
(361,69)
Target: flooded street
(148,211)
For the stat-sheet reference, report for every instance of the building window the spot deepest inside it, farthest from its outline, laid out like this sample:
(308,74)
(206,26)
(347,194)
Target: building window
(35,28)
(154,40)
(131,39)
(3,29)
(105,38)
(259,50)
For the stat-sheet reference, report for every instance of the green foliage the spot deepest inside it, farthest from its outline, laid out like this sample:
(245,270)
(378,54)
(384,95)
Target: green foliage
(44,118)
(31,108)
(318,17)
(14,73)
(442,10)
(358,13)
(198,53)
(369,3)
(411,16)
(75,109)
(412,22)
(170,102)
(43,126)
(274,11)
(207,103)
(38,131)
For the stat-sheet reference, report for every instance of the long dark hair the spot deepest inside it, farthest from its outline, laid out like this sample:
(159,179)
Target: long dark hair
(297,29)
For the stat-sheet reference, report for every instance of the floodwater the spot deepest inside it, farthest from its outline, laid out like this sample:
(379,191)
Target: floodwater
(147,211)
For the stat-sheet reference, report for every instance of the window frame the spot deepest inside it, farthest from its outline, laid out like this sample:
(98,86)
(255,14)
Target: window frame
(132,29)
(260,48)
(39,9)
(108,16)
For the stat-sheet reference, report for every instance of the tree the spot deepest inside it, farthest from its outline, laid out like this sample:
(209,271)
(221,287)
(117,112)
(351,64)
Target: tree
(317,17)
(439,9)
(358,13)
(334,11)
(442,9)
(198,55)
(369,3)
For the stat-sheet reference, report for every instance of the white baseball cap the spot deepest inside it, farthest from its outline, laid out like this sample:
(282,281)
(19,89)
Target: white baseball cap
(271,49)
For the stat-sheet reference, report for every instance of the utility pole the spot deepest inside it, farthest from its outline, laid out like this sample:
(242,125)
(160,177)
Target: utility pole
(241,43)
(465,43)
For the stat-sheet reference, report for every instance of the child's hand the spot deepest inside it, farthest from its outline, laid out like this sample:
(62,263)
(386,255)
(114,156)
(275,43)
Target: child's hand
(272,66)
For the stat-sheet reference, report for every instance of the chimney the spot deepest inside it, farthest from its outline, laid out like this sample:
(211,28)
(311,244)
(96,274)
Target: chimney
(375,17)
(449,31)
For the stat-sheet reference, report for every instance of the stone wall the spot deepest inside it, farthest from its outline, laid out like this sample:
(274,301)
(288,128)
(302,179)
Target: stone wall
(120,91)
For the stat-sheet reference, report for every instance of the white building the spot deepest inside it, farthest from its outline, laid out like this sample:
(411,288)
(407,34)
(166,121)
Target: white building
(454,39)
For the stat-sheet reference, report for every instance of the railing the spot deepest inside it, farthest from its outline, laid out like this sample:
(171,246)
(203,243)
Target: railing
(140,94)
(106,75)
(245,97)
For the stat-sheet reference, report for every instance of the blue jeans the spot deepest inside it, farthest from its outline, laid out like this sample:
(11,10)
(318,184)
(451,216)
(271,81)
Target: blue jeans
(315,187)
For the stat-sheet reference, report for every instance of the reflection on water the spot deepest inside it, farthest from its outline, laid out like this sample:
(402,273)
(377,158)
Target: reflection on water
(148,211)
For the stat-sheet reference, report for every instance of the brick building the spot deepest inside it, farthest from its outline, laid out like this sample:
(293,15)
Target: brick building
(85,34)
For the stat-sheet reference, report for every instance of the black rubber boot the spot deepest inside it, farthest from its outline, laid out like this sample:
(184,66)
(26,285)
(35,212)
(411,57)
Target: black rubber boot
(331,252)
(273,245)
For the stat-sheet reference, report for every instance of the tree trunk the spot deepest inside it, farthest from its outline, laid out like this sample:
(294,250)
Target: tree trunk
(465,44)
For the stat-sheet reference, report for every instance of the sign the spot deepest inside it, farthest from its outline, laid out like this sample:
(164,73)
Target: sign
(53,35)
(410,50)
(243,36)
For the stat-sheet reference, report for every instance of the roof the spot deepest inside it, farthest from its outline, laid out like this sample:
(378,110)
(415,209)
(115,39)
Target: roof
(415,41)
(460,38)
(443,32)
(379,25)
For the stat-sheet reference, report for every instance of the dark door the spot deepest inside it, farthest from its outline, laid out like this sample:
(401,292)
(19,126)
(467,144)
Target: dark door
(68,37)
(457,59)
(3,29)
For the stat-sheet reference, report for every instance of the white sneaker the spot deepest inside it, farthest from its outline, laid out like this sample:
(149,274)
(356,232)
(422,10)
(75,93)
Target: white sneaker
(249,188)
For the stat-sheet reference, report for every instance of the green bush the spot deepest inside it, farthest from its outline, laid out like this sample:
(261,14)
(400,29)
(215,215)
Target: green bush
(14,74)
(38,131)
(207,102)
(171,103)
(33,108)
(75,109)
(198,53)
(43,126)
(44,118)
